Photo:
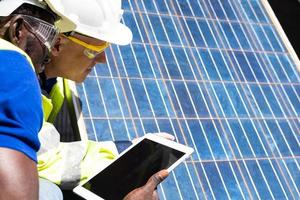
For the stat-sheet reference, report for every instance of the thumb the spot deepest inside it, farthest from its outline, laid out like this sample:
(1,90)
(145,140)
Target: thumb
(156,179)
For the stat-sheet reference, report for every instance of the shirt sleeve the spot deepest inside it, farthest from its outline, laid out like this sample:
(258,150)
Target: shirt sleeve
(21,114)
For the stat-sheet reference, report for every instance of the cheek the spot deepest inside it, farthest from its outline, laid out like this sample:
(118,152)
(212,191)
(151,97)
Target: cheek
(72,55)
(74,50)
(72,64)
(77,60)
(36,52)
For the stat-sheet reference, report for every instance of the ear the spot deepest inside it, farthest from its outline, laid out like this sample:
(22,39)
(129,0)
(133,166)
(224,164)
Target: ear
(17,31)
(58,46)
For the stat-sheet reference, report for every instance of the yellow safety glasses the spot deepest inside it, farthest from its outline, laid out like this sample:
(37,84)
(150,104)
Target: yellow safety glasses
(90,51)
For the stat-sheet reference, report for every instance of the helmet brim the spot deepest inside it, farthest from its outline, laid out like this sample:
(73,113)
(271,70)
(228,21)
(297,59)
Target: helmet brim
(65,24)
(116,33)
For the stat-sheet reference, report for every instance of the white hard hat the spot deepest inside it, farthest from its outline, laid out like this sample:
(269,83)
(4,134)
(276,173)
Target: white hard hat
(65,23)
(99,19)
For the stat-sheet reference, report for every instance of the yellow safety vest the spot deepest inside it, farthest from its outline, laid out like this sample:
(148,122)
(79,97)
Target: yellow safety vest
(53,104)
(68,163)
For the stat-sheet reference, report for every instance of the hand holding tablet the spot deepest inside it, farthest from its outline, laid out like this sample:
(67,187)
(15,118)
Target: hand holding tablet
(148,191)
(133,168)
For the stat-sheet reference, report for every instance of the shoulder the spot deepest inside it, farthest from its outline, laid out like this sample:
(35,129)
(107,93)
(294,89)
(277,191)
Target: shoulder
(5,45)
(20,102)
(12,55)
(17,75)
(16,71)
(11,60)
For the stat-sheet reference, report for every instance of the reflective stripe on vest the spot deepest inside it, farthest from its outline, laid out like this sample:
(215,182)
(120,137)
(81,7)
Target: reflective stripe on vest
(47,107)
(57,99)
(52,105)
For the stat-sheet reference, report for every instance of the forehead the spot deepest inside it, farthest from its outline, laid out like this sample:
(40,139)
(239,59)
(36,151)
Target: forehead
(89,40)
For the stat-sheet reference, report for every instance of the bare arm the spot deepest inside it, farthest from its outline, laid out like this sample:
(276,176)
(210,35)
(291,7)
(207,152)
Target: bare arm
(18,176)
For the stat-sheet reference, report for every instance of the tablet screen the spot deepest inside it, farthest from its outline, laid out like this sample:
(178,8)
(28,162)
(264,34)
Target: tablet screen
(132,170)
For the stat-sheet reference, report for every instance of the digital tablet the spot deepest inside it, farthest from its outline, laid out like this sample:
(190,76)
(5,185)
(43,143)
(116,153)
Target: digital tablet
(133,168)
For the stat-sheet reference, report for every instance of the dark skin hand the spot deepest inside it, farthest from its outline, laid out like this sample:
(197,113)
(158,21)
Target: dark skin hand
(18,176)
(148,191)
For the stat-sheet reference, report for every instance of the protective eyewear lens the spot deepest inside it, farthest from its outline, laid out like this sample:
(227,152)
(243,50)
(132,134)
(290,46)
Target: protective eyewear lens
(90,51)
(91,54)
(45,32)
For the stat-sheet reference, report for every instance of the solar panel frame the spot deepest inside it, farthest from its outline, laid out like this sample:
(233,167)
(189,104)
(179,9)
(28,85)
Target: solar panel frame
(223,94)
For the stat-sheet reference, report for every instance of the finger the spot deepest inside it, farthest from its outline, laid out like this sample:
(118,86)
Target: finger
(155,195)
(136,140)
(165,135)
(156,179)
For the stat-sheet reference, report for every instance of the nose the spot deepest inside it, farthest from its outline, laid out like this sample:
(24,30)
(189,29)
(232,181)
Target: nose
(101,58)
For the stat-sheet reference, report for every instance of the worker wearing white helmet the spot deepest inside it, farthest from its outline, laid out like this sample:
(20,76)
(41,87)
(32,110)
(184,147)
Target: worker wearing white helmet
(85,46)
(77,52)
(73,57)
(27,33)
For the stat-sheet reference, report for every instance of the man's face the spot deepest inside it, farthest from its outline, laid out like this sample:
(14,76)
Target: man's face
(20,30)
(36,51)
(71,62)
(40,37)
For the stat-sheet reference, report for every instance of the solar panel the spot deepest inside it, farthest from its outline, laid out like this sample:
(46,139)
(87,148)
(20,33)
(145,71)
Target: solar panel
(215,74)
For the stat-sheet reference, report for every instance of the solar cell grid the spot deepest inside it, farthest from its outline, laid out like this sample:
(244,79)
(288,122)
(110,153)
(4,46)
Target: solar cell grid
(216,75)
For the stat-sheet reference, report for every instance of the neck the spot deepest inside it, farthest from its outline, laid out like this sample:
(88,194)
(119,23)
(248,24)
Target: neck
(49,71)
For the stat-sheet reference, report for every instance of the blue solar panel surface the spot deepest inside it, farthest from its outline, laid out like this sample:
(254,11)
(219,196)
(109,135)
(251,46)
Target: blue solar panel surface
(216,75)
